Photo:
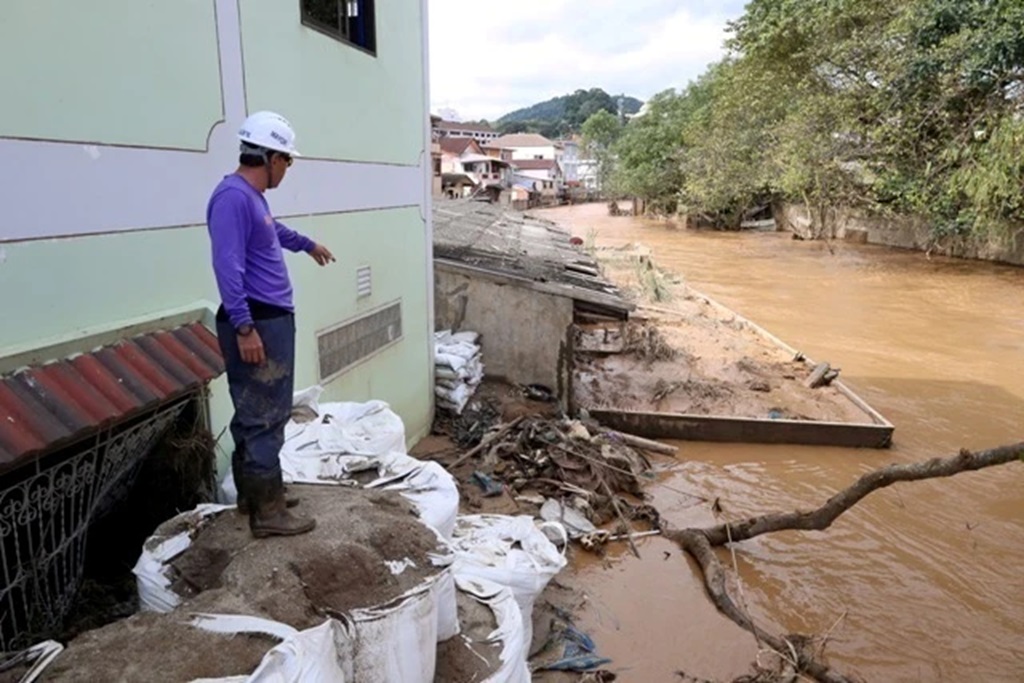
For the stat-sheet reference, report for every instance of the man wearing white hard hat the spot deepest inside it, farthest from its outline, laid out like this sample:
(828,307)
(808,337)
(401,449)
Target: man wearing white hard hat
(256,320)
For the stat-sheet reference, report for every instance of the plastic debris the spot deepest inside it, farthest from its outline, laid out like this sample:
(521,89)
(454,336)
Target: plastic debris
(490,486)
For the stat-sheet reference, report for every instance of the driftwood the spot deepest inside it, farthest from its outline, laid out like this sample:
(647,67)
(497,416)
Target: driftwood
(700,543)
(622,518)
(644,444)
(485,442)
(817,376)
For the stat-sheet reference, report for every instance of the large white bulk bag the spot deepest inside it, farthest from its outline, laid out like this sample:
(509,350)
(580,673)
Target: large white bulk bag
(510,632)
(508,551)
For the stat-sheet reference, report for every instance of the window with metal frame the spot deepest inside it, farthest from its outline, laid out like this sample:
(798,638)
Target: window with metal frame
(350,21)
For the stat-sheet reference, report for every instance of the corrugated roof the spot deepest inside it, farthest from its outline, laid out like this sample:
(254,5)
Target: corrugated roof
(487,236)
(46,406)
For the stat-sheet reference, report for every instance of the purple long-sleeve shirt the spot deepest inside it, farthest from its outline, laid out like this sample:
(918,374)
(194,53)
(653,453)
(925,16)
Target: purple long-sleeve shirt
(247,259)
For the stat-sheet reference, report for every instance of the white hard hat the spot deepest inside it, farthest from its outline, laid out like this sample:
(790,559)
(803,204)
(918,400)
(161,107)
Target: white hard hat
(270,131)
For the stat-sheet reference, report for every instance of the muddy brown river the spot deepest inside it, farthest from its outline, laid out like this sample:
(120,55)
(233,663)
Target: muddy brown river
(919,582)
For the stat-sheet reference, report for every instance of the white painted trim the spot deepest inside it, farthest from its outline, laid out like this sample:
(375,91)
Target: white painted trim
(428,201)
(68,189)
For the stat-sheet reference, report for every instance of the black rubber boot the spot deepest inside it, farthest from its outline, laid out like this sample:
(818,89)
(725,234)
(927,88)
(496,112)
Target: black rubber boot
(268,511)
(237,458)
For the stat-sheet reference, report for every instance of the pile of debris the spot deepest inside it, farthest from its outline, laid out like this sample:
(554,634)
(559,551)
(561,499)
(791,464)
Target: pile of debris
(572,472)
(392,584)
(469,427)
(458,368)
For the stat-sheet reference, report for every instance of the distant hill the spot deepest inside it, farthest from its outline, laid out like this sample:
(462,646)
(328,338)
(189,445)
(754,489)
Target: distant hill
(565,114)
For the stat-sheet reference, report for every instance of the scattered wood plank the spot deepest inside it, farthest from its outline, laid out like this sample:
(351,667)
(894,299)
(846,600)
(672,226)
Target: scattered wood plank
(644,444)
(817,376)
(485,442)
(577,268)
(622,518)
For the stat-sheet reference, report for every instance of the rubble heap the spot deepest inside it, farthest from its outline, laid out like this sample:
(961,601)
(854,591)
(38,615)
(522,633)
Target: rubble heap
(574,473)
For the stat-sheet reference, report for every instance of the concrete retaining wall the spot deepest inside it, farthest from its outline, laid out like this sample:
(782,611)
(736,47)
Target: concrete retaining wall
(522,330)
(905,233)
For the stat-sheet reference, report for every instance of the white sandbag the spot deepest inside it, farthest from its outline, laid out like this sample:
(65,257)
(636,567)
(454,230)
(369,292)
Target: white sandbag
(426,484)
(393,642)
(453,361)
(447,609)
(510,551)
(370,428)
(510,633)
(445,372)
(38,657)
(154,585)
(467,337)
(398,641)
(321,653)
(430,488)
(458,396)
(458,344)
(308,398)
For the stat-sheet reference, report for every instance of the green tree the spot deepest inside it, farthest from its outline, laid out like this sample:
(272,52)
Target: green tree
(600,133)
(911,107)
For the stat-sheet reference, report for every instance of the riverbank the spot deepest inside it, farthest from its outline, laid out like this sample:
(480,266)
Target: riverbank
(925,341)
(894,232)
(907,233)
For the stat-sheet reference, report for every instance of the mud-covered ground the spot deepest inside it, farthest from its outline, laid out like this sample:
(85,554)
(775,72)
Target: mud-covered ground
(683,354)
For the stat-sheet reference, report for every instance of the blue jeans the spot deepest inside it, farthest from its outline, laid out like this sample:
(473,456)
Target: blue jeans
(261,394)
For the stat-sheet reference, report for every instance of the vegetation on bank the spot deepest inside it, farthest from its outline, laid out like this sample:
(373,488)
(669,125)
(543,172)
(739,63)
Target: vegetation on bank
(915,107)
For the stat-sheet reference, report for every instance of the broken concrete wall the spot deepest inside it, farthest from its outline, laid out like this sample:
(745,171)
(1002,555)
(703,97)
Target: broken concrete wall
(522,329)
(906,233)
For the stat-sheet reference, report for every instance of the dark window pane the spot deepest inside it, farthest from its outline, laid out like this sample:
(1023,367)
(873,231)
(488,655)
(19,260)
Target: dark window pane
(349,20)
(326,13)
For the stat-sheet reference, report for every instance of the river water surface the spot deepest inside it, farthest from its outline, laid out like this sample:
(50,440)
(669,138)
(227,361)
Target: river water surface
(919,582)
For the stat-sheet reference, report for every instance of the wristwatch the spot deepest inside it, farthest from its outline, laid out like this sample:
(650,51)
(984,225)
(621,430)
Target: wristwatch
(244,330)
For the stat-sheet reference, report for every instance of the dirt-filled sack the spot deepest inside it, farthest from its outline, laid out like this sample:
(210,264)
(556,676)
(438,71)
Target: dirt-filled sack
(491,647)
(509,551)
(370,564)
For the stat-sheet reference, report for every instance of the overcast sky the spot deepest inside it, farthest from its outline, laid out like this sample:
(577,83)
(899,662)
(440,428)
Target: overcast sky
(488,58)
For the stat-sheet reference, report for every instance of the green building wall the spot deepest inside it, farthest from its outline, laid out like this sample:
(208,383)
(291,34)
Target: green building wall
(162,87)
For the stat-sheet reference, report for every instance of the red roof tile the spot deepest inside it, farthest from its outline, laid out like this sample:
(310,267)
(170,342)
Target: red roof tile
(458,146)
(47,406)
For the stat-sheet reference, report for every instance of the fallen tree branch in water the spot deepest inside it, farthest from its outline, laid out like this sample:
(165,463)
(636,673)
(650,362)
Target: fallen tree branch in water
(694,542)
(822,518)
(700,543)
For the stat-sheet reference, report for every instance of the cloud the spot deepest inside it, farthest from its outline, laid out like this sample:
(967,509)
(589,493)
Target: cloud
(488,59)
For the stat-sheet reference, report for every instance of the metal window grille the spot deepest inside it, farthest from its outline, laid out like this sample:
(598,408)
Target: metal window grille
(344,346)
(45,517)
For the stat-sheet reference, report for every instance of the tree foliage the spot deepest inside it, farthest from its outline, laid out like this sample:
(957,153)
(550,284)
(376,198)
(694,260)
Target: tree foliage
(566,114)
(600,133)
(912,107)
